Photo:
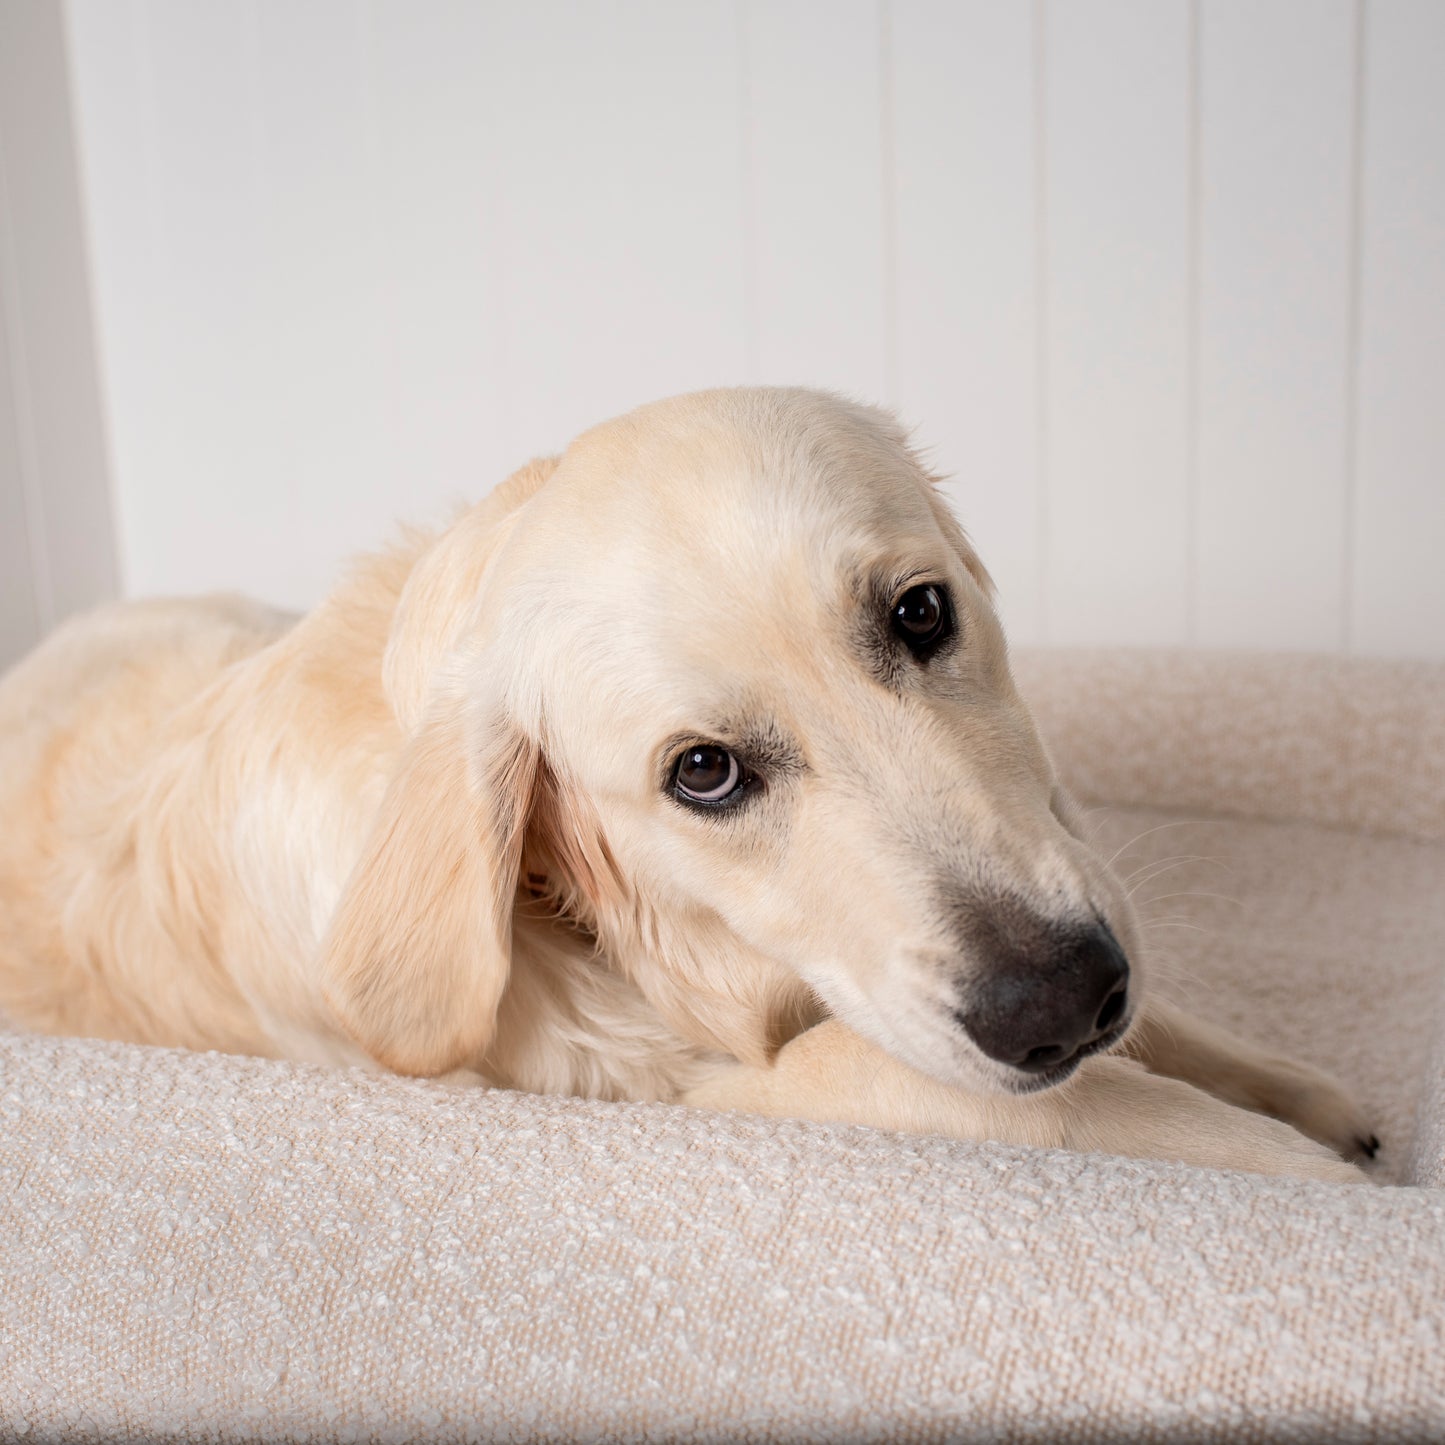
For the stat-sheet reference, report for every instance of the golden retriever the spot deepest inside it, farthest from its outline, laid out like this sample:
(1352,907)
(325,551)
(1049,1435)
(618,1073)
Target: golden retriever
(685,766)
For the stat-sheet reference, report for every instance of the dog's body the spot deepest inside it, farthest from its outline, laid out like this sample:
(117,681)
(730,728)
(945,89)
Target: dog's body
(455,821)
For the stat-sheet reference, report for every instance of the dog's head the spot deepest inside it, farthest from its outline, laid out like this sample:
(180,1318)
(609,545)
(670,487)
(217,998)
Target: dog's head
(726,683)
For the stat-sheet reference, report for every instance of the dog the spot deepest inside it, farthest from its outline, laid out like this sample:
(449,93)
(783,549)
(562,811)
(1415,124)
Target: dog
(685,766)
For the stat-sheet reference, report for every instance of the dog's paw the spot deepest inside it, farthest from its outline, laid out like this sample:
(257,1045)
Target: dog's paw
(1313,1103)
(1266,1145)
(1115,1106)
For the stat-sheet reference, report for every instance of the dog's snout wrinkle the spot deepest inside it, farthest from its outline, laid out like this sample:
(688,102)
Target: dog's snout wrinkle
(1045,992)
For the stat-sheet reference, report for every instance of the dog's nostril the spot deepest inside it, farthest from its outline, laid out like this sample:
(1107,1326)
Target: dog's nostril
(1113,1008)
(1044,1056)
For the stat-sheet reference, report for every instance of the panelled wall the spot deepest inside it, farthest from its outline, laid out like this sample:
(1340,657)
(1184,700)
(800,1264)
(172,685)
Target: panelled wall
(57,542)
(1160,283)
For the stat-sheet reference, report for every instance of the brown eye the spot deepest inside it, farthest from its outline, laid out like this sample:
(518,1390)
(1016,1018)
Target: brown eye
(708,774)
(921,617)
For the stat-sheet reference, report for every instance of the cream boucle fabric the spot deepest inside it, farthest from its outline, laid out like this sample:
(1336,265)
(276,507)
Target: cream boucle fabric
(212,1248)
(216,1248)
(1351,742)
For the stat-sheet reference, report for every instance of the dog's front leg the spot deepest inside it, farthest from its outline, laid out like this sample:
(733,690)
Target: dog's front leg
(1169,1041)
(1111,1105)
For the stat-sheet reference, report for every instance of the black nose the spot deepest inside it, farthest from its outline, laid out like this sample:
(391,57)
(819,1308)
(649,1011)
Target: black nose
(1037,1012)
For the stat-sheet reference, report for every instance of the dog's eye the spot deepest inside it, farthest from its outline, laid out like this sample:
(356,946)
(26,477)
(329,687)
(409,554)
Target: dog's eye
(921,617)
(708,774)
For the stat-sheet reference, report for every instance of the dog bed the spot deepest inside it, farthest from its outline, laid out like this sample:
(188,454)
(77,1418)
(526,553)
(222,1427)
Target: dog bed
(203,1247)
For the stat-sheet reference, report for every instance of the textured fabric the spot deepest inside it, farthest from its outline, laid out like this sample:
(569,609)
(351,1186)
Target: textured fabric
(213,1248)
(1316,942)
(218,1247)
(1349,741)
(1425,1163)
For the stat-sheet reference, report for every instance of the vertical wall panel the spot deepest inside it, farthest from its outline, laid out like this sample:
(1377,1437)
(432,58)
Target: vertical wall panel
(53,438)
(1275,276)
(1399,549)
(431,139)
(110,67)
(967,325)
(326,285)
(619,165)
(167,101)
(815,168)
(1116,224)
(220,457)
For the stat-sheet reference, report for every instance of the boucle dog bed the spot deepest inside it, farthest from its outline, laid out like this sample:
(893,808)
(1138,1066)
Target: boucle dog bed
(201,1247)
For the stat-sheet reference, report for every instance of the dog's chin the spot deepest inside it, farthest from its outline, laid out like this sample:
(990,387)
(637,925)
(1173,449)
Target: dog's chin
(937,1053)
(1017,1082)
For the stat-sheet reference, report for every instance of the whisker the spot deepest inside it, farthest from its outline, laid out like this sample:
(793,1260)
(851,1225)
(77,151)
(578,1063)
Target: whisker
(1181,985)
(1155,862)
(1167,918)
(1150,871)
(1139,837)
(1193,893)
(1174,858)
(1166,1028)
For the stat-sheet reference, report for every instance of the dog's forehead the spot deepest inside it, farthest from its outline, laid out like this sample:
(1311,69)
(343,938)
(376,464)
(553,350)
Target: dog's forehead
(760,475)
(689,557)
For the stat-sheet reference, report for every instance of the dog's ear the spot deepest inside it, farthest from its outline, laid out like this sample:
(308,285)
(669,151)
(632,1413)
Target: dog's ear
(437,602)
(419,949)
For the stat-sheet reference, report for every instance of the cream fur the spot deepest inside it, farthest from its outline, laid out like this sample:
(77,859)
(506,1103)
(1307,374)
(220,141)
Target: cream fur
(425,826)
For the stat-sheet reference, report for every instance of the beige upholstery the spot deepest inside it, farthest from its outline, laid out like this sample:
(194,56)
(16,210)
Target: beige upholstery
(203,1247)
(1345,742)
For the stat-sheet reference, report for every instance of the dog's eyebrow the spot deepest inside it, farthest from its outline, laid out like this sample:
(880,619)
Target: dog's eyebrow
(766,745)
(875,584)
(887,584)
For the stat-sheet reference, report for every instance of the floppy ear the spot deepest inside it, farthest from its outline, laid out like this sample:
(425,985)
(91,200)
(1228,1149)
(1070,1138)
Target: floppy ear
(419,949)
(436,603)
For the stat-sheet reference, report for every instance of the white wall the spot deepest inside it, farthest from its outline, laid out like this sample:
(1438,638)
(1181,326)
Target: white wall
(57,545)
(1161,282)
